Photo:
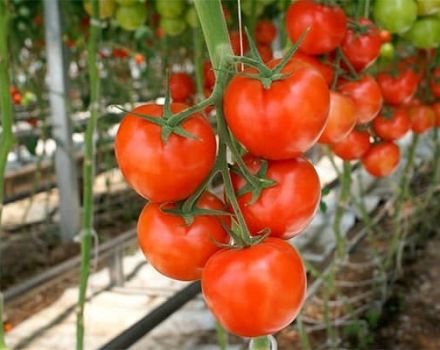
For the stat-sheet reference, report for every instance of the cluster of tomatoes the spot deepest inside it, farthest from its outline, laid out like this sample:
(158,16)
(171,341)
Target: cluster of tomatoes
(276,110)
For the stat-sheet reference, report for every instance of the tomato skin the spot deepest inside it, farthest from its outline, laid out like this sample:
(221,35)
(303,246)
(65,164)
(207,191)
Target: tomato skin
(436,108)
(271,122)
(265,32)
(178,250)
(181,87)
(341,118)
(362,49)
(393,128)
(385,36)
(234,37)
(324,69)
(396,16)
(381,159)
(425,33)
(131,17)
(354,146)
(159,173)
(293,200)
(265,52)
(208,75)
(327,26)
(367,96)
(434,83)
(422,118)
(398,89)
(255,291)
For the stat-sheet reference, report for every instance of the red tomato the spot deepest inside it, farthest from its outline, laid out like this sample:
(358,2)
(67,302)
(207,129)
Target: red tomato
(16,98)
(416,64)
(385,36)
(119,53)
(139,58)
(362,49)
(435,82)
(265,52)
(327,24)
(394,127)
(32,122)
(422,118)
(234,37)
(436,108)
(265,32)
(271,122)
(293,201)
(324,69)
(354,146)
(170,172)
(366,95)
(341,118)
(257,290)
(208,74)
(178,250)
(181,87)
(400,88)
(381,159)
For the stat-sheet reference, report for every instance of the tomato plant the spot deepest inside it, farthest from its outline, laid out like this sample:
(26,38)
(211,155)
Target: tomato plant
(394,126)
(354,146)
(381,159)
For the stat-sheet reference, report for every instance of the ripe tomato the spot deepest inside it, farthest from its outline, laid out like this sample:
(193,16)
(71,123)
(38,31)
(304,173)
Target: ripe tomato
(139,58)
(208,74)
(366,95)
(131,17)
(354,146)
(265,52)
(293,201)
(435,82)
(234,37)
(396,16)
(271,122)
(265,32)
(394,127)
(119,53)
(178,250)
(181,87)
(381,159)
(257,290)
(436,108)
(341,118)
(362,49)
(327,26)
(398,89)
(422,118)
(158,172)
(324,69)
(385,36)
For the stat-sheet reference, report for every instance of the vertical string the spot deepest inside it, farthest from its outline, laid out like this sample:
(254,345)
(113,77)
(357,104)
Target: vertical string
(240,31)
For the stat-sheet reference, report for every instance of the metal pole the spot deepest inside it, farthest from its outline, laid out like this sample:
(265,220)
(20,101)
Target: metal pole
(65,166)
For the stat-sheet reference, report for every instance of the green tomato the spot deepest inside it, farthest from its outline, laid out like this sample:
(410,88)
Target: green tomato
(396,16)
(170,8)
(428,7)
(246,7)
(425,33)
(387,51)
(126,2)
(106,8)
(191,17)
(131,17)
(172,26)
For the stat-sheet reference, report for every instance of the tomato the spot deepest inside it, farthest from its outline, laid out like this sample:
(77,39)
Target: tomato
(265,52)
(425,33)
(271,122)
(131,17)
(293,200)
(191,17)
(257,290)
(362,49)
(435,82)
(353,147)
(387,51)
(178,250)
(394,127)
(106,8)
(396,16)
(126,2)
(436,108)
(234,37)
(327,24)
(209,75)
(428,7)
(399,88)
(172,26)
(385,36)
(119,53)
(170,8)
(139,58)
(265,32)
(158,172)
(366,95)
(33,122)
(324,69)
(381,159)
(181,87)
(341,118)
(422,118)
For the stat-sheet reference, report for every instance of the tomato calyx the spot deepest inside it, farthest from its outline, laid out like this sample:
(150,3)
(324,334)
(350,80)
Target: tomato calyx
(240,239)
(360,29)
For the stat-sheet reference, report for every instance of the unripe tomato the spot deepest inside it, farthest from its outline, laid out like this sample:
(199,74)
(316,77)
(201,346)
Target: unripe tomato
(246,7)
(428,7)
(393,127)
(341,118)
(354,146)
(396,16)
(127,2)
(425,33)
(381,159)
(270,122)
(436,108)
(293,201)
(265,32)
(434,83)
(422,118)
(158,172)
(106,8)
(191,17)
(170,8)
(172,26)
(398,88)
(366,95)
(327,26)
(178,250)
(257,290)
(324,69)
(181,87)
(131,17)
(387,51)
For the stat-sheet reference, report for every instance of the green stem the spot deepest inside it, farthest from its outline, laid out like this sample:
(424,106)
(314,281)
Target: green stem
(435,166)
(222,336)
(198,60)
(88,173)
(304,338)
(261,343)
